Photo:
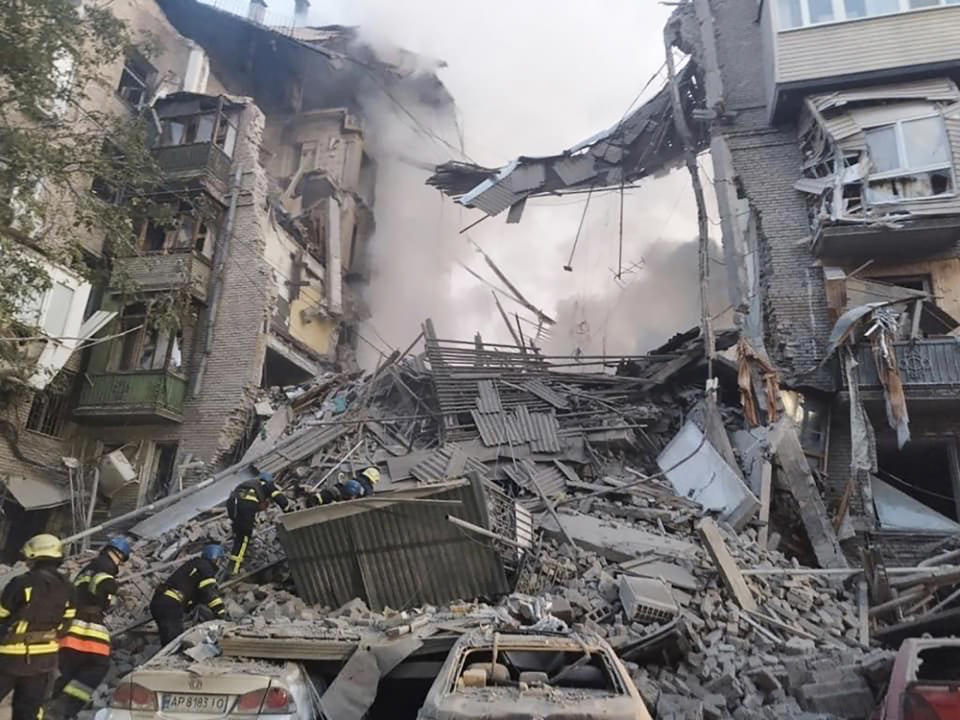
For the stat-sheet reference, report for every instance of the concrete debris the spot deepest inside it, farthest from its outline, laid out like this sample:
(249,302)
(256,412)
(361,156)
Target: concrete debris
(583,518)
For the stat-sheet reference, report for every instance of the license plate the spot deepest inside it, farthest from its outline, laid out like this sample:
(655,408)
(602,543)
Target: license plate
(176,702)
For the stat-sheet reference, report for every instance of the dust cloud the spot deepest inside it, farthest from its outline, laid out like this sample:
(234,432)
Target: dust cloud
(527,78)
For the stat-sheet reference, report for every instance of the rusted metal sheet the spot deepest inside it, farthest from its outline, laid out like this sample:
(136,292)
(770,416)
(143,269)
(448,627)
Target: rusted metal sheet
(400,554)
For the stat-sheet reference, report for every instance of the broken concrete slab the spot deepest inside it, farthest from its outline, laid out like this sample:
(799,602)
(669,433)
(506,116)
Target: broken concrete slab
(618,541)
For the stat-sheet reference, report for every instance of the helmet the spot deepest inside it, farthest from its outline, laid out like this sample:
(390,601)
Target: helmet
(372,474)
(212,552)
(43,546)
(121,545)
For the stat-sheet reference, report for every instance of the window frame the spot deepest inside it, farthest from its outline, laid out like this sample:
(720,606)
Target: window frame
(47,415)
(142,72)
(903,153)
(840,13)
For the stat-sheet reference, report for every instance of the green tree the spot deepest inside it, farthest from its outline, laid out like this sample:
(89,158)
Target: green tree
(69,170)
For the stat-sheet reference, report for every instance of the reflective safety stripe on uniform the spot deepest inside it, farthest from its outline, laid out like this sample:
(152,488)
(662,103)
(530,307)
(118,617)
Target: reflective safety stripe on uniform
(77,689)
(91,647)
(41,648)
(171,593)
(238,558)
(89,630)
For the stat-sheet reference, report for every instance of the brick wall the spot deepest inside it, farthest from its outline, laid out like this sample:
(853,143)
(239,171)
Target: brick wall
(215,420)
(768,162)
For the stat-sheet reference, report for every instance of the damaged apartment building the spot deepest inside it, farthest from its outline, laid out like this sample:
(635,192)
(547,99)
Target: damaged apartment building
(834,131)
(260,134)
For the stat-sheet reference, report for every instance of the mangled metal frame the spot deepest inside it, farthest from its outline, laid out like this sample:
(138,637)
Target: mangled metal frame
(838,169)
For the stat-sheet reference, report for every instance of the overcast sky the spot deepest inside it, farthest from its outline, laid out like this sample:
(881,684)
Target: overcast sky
(531,77)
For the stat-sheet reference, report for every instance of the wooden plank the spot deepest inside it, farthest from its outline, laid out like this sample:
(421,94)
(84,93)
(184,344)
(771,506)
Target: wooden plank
(766,479)
(729,572)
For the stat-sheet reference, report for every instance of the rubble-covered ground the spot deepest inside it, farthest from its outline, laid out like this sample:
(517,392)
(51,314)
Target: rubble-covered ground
(686,584)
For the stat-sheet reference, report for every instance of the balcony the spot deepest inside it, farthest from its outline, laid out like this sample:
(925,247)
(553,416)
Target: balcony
(913,238)
(928,368)
(847,52)
(158,272)
(196,161)
(147,396)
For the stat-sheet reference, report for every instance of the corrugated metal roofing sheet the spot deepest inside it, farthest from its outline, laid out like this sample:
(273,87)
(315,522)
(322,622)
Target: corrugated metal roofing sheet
(549,478)
(547,426)
(497,428)
(399,555)
(439,465)
(489,400)
(540,390)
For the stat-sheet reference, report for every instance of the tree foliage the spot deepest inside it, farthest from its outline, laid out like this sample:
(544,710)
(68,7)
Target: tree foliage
(73,171)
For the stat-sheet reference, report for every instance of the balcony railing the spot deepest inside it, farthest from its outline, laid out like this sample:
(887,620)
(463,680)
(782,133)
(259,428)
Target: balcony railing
(157,272)
(144,396)
(197,159)
(922,364)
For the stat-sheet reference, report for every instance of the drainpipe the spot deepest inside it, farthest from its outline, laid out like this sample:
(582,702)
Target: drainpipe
(219,265)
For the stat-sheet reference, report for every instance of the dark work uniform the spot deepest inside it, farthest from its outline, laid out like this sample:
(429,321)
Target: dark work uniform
(246,500)
(35,609)
(85,649)
(193,583)
(356,487)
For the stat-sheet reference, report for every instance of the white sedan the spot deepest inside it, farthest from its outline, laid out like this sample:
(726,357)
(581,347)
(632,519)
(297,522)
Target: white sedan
(189,680)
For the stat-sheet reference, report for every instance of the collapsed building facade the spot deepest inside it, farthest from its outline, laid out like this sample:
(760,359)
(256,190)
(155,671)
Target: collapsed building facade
(260,135)
(833,168)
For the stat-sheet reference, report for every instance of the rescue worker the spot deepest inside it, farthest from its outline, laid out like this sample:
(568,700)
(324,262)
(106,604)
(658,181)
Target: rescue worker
(35,609)
(246,500)
(193,583)
(360,485)
(85,649)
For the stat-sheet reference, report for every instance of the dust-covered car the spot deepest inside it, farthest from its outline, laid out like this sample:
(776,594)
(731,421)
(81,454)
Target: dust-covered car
(189,680)
(492,675)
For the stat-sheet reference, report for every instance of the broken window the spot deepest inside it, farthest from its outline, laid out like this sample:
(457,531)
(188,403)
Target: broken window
(187,130)
(909,159)
(48,413)
(553,668)
(187,232)
(142,347)
(162,472)
(226,135)
(134,79)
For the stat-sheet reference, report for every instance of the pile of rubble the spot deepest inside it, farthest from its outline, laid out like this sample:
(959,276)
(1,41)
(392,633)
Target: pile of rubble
(619,497)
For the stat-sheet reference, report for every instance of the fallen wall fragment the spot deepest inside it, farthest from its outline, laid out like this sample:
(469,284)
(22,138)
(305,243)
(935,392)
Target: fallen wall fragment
(706,477)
